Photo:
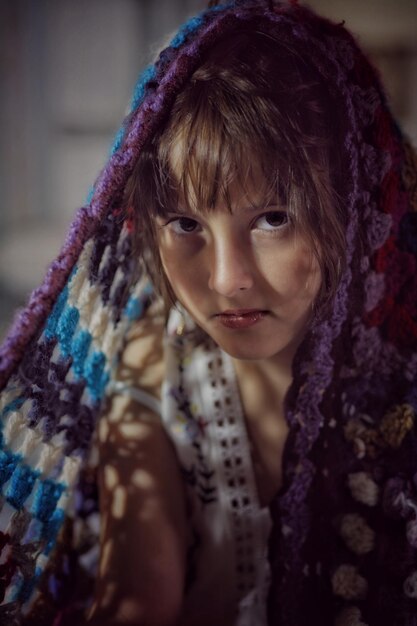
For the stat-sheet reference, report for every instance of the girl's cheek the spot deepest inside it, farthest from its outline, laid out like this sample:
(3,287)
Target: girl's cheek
(169,255)
(310,274)
(175,267)
(293,271)
(168,263)
(179,247)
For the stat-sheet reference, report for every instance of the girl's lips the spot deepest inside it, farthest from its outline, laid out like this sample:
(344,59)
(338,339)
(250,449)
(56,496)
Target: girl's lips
(239,312)
(241,318)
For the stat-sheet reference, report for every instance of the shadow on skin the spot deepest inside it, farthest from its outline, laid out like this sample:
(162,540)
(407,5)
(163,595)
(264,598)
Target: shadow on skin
(142,536)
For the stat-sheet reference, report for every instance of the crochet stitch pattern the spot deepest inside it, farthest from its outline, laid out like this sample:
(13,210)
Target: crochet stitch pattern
(351,457)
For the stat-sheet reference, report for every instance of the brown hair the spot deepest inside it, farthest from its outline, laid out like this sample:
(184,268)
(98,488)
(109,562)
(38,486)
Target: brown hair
(252,107)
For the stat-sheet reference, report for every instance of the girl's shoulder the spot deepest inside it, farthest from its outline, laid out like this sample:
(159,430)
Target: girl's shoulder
(142,499)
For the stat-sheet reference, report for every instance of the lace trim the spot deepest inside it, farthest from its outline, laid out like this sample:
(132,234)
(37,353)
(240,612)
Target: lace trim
(250,523)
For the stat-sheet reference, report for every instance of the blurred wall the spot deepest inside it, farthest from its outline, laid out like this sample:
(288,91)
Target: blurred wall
(67,68)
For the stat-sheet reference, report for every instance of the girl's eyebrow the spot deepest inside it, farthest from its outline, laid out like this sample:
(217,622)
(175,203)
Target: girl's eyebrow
(246,209)
(252,208)
(260,207)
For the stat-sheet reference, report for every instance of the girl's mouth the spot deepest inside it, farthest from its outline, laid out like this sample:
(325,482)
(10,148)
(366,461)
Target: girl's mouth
(241,318)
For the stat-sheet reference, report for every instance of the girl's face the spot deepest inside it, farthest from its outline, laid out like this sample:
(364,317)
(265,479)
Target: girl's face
(245,275)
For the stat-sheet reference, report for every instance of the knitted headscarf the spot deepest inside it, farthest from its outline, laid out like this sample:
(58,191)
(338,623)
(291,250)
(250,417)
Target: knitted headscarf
(343,548)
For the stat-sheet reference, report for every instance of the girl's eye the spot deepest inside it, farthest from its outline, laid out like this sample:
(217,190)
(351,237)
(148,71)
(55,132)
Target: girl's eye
(181,225)
(273,220)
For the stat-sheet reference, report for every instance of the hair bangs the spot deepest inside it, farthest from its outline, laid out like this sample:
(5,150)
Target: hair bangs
(205,156)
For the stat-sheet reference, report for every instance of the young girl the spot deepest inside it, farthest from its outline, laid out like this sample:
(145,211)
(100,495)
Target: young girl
(257,454)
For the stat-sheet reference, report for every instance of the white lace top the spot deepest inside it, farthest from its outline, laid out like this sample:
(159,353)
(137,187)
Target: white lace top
(202,413)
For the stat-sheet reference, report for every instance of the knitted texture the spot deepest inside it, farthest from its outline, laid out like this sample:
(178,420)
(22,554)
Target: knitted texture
(343,546)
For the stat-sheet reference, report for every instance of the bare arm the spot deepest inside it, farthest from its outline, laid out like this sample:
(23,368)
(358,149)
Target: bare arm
(144,532)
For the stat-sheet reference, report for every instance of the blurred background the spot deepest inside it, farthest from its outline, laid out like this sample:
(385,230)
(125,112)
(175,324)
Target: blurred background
(67,69)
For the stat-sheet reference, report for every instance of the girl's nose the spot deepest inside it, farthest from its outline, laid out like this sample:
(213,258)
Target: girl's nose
(231,268)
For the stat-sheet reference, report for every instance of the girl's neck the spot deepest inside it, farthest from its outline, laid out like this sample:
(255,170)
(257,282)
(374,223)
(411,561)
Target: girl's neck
(275,372)
(273,375)
(263,386)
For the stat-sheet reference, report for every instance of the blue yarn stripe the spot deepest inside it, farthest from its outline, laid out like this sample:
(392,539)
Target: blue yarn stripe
(186,30)
(147,76)
(136,304)
(13,406)
(65,329)
(117,142)
(52,322)
(95,375)
(194,23)
(90,366)
(22,480)
(62,325)
(76,344)
(46,498)
(8,464)
(51,529)
(79,350)
(90,193)
(20,486)
(134,308)
(138,95)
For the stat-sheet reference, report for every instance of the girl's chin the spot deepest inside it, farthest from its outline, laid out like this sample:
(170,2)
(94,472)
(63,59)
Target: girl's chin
(249,352)
(259,347)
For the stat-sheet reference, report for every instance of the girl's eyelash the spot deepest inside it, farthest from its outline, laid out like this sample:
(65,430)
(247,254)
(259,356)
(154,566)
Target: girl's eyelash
(176,216)
(176,219)
(270,230)
(274,228)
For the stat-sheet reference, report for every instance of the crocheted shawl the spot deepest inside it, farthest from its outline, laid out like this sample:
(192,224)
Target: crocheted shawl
(344,543)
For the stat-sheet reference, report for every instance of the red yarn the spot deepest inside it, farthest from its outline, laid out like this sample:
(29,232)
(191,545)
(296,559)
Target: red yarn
(402,329)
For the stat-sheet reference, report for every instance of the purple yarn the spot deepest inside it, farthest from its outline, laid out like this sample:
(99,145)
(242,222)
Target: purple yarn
(374,290)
